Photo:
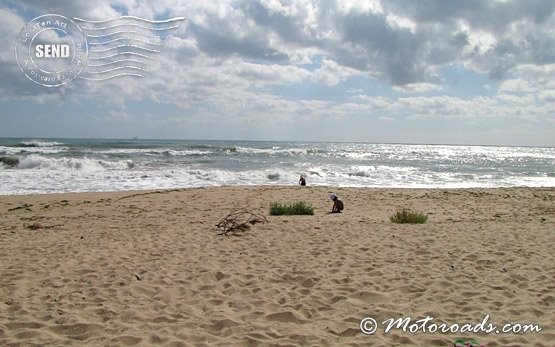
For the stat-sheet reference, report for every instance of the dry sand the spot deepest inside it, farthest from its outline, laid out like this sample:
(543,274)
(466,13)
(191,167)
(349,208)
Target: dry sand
(148,268)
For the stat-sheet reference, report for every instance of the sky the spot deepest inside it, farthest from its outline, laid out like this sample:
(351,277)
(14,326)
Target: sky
(396,71)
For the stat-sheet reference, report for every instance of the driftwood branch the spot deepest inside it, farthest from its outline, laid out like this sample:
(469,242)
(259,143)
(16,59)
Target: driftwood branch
(238,221)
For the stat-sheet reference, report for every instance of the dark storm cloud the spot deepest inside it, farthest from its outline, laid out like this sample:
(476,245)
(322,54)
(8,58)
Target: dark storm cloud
(221,43)
(391,52)
(492,15)
(521,29)
(286,26)
(292,29)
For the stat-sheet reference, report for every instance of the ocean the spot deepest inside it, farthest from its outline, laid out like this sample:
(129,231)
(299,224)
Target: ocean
(32,166)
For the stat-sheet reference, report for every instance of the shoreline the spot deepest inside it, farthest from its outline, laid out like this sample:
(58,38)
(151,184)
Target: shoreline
(277,186)
(148,268)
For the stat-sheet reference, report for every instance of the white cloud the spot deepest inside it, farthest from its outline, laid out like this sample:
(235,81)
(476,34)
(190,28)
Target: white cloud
(373,103)
(260,74)
(511,99)
(386,119)
(401,22)
(418,88)
(517,86)
(374,6)
(331,73)
(547,96)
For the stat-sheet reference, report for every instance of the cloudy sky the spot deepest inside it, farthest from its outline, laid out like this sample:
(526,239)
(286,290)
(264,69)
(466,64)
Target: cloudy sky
(402,71)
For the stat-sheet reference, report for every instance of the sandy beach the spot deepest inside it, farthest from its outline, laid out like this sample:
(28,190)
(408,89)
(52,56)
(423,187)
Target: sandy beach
(149,269)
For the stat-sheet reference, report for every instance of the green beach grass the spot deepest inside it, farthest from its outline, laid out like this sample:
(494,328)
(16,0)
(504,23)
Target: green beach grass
(298,208)
(406,216)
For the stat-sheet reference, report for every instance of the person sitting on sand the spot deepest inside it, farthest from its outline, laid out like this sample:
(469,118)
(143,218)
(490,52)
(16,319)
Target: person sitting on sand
(337,204)
(302,181)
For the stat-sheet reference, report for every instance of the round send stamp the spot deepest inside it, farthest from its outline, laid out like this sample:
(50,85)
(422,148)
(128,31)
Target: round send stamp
(51,50)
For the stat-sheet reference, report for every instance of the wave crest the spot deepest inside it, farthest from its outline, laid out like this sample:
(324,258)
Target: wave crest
(34,161)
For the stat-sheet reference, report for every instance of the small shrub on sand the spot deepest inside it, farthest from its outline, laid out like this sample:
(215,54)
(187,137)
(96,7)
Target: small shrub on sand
(408,216)
(298,208)
(238,221)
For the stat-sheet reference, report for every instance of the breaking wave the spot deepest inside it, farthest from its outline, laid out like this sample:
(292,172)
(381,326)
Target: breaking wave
(60,164)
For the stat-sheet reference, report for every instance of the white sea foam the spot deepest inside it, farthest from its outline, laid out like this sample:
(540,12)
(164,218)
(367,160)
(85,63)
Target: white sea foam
(4,150)
(34,161)
(272,151)
(148,151)
(90,175)
(39,143)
